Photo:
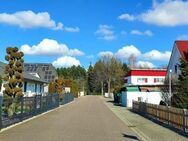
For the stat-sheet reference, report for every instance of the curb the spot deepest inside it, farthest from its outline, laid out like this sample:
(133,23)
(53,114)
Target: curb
(142,136)
(34,117)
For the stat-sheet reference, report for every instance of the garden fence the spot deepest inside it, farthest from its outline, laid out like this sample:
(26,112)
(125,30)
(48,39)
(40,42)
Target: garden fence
(15,110)
(174,117)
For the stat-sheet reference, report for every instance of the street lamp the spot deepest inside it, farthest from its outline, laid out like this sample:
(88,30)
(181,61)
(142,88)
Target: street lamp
(170,85)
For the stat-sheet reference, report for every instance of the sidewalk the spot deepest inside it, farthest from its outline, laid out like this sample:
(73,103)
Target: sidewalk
(146,129)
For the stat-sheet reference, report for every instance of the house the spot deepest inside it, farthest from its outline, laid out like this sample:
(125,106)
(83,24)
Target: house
(31,85)
(180,49)
(45,71)
(145,77)
(143,85)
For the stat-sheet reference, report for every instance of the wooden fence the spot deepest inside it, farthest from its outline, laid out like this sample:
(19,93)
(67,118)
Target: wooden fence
(174,117)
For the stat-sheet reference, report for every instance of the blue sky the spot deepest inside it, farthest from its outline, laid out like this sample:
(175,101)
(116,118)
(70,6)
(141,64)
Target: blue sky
(67,32)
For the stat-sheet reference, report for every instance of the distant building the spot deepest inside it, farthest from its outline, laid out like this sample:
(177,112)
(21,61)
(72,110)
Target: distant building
(145,77)
(143,85)
(180,49)
(44,71)
(32,85)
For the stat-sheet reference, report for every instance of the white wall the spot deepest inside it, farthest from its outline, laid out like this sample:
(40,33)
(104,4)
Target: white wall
(149,97)
(174,60)
(2,88)
(67,89)
(81,93)
(133,80)
(110,95)
(46,88)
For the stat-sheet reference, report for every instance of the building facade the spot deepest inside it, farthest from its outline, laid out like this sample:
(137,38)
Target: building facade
(180,49)
(145,77)
(32,85)
(45,71)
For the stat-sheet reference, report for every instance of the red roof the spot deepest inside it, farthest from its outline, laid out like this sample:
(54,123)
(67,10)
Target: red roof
(182,47)
(147,72)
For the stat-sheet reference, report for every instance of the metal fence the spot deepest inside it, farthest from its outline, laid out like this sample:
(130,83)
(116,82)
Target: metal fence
(174,117)
(15,110)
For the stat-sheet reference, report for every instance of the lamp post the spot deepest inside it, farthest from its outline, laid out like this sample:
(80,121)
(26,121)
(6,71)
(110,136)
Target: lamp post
(170,85)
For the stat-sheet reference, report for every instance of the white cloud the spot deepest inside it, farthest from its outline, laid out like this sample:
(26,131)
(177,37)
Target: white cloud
(126,17)
(50,47)
(127,51)
(183,37)
(66,61)
(105,32)
(167,13)
(156,55)
(137,32)
(145,64)
(29,19)
(90,56)
(105,53)
(145,60)
(71,29)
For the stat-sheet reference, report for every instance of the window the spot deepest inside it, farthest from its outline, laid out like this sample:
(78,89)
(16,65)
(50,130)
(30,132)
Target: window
(176,69)
(45,77)
(49,77)
(142,80)
(158,80)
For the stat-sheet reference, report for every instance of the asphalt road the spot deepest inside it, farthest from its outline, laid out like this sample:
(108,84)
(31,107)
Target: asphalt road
(86,119)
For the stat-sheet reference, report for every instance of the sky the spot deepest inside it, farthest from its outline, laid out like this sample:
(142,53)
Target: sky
(79,32)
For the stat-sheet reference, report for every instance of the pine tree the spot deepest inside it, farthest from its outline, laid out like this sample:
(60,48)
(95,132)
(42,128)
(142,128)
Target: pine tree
(91,79)
(180,99)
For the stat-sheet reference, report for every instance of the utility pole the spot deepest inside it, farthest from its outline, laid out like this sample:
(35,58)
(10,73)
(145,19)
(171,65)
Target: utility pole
(170,86)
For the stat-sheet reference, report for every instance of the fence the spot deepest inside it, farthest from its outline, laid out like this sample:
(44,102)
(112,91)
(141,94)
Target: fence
(15,110)
(174,117)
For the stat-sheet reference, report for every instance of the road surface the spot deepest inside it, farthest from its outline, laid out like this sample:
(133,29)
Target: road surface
(86,119)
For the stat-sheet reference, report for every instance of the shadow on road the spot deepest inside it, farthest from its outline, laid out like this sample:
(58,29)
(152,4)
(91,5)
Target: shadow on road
(130,137)
(115,104)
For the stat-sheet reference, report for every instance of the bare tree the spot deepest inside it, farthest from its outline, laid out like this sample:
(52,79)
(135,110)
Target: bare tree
(132,61)
(165,88)
(113,71)
(99,70)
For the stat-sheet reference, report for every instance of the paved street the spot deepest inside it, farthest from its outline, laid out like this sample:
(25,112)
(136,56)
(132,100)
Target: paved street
(86,119)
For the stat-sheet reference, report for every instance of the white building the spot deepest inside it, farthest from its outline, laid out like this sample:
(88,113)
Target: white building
(145,77)
(143,85)
(148,97)
(32,85)
(180,49)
